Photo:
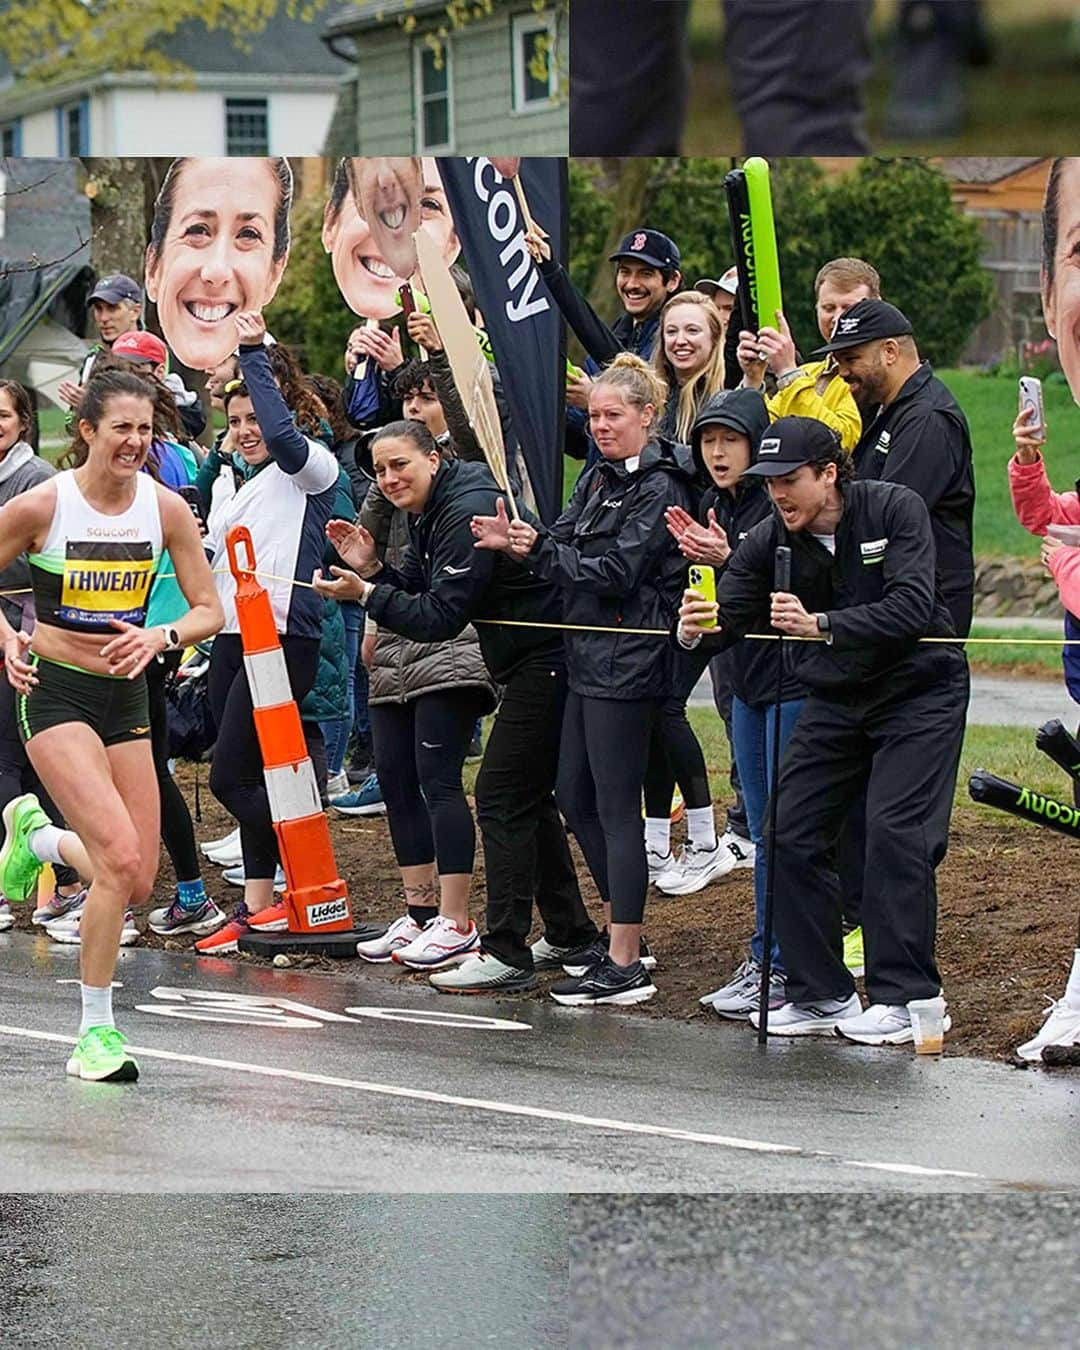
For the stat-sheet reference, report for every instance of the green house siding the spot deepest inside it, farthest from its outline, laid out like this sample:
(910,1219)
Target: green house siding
(482,83)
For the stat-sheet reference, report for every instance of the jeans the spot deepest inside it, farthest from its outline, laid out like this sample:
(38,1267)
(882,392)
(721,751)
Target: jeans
(753,733)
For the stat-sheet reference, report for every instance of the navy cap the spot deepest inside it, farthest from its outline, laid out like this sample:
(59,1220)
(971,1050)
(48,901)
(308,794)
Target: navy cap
(790,443)
(649,246)
(114,289)
(866,321)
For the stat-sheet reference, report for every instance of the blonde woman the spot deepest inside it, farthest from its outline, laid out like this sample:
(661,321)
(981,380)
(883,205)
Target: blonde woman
(689,357)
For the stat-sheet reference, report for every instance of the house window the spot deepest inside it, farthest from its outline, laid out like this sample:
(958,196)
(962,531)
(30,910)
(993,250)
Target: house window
(11,139)
(73,128)
(247,126)
(433,81)
(533,60)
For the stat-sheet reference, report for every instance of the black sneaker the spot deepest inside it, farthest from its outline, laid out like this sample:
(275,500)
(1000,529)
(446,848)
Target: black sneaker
(546,956)
(605,983)
(579,962)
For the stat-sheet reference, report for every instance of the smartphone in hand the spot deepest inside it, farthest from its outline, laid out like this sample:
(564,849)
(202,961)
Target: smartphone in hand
(1031,396)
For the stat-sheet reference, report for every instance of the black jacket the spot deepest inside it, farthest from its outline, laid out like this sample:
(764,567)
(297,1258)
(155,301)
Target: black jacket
(443,583)
(879,591)
(602,343)
(618,567)
(922,440)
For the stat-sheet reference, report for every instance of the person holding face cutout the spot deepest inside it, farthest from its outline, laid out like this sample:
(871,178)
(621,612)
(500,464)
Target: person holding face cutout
(218,246)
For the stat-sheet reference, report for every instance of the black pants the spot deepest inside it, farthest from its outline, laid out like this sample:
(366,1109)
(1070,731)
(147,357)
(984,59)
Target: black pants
(675,754)
(236,774)
(905,748)
(526,854)
(420,747)
(17,773)
(177,831)
(722,691)
(602,758)
(797,70)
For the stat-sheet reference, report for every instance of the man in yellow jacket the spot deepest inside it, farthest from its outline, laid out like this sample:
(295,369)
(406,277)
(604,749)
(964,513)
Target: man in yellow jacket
(815,388)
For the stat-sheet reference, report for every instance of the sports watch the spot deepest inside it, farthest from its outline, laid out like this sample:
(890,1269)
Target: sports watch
(173,641)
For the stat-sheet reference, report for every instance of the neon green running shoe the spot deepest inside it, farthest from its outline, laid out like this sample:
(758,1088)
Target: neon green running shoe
(18,867)
(853,952)
(100,1057)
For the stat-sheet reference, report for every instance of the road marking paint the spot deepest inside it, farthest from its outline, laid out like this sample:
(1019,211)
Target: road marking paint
(432,1017)
(503,1108)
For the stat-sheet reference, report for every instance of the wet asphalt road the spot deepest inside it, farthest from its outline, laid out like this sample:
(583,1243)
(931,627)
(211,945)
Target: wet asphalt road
(275,1272)
(569,1100)
(846,1272)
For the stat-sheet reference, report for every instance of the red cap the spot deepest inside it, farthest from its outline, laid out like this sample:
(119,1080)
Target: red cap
(139,346)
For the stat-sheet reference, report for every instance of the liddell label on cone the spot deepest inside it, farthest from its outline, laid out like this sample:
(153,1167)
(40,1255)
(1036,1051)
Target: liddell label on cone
(330,911)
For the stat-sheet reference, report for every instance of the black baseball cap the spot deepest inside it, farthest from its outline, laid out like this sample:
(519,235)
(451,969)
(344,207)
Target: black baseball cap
(649,246)
(790,443)
(742,410)
(115,288)
(866,321)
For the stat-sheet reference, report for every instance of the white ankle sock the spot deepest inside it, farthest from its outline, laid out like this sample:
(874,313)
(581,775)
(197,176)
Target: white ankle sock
(45,843)
(96,1007)
(1072,988)
(658,835)
(701,827)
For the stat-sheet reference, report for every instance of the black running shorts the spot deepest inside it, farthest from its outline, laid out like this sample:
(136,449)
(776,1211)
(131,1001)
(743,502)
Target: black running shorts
(117,708)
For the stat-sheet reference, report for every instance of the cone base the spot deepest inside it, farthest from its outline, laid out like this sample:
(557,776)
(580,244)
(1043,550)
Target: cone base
(319,944)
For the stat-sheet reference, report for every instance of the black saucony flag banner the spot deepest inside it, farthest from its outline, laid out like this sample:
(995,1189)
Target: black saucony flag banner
(528,336)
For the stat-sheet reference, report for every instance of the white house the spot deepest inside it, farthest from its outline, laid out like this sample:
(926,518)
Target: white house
(272,94)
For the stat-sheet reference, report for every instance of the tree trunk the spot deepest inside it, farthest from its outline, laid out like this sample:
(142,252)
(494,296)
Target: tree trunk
(632,189)
(116,188)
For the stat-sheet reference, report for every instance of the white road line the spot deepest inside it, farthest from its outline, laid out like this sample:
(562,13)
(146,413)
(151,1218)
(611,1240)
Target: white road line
(509,1108)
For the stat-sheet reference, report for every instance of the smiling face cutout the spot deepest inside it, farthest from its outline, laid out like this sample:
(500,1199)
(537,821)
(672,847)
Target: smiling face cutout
(216,254)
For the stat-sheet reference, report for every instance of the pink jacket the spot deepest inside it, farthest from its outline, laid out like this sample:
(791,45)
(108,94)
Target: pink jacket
(1037,505)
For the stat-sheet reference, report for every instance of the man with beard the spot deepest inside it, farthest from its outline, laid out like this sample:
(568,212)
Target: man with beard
(915,433)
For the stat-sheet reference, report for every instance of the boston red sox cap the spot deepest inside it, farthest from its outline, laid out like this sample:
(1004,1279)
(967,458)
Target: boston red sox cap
(649,246)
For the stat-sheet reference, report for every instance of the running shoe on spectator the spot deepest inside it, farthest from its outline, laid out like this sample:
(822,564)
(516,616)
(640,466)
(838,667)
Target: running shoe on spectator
(7,917)
(66,930)
(659,864)
(546,956)
(225,852)
(809,1019)
(225,939)
(174,918)
(742,850)
(234,876)
(337,784)
(19,868)
(100,1056)
(597,951)
(1061,1027)
(605,983)
(441,943)
(366,800)
(482,973)
(273,919)
(741,977)
(400,933)
(58,905)
(696,868)
(738,1001)
(883,1024)
(854,957)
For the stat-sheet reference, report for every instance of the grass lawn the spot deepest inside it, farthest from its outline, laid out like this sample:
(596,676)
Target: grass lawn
(1023,103)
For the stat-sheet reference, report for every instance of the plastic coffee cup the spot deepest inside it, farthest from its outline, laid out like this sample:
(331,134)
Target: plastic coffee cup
(927,1022)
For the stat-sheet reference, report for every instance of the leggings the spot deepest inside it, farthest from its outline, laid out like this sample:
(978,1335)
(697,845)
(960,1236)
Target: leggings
(236,774)
(420,747)
(602,758)
(17,773)
(675,754)
(177,831)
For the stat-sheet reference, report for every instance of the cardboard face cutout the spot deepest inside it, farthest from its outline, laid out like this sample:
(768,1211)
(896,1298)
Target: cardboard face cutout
(375,207)
(219,243)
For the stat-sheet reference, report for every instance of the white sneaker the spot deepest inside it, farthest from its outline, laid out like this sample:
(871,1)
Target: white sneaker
(810,1019)
(400,933)
(742,850)
(441,943)
(1062,1027)
(697,867)
(66,930)
(482,973)
(227,846)
(659,863)
(7,917)
(883,1024)
(337,784)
